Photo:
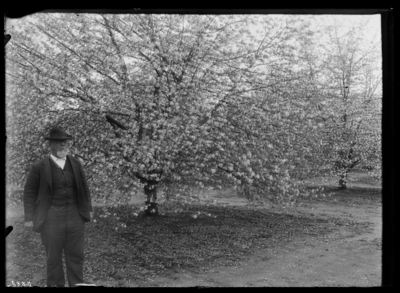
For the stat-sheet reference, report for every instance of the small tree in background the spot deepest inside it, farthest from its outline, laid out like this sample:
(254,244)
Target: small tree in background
(351,105)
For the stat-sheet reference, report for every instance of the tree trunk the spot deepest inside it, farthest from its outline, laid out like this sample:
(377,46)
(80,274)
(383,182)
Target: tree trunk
(343,181)
(150,190)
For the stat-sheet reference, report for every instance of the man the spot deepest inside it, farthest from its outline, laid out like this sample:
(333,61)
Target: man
(57,204)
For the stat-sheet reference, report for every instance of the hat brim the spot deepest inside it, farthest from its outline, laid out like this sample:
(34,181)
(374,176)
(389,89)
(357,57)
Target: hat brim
(58,138)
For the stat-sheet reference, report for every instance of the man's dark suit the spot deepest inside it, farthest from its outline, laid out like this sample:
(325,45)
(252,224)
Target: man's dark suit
(38,193)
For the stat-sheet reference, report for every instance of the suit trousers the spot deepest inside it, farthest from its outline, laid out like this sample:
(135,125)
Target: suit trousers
(63,231)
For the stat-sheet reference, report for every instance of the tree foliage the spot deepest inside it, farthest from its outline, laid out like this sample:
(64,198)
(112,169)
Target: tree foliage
(170,100)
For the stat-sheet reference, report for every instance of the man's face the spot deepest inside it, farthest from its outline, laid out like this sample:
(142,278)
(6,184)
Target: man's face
(60,148)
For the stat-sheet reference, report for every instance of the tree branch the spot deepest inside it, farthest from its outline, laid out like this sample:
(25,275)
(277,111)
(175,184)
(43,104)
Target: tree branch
(113,122)
(71,50)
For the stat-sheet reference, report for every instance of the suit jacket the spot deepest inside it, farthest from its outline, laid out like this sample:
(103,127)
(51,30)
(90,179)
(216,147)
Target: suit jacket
(38,192)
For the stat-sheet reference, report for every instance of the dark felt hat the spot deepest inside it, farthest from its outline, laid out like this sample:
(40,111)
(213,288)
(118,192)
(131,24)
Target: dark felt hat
(57,133)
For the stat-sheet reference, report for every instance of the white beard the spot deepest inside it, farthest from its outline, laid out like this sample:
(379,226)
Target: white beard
(62,154)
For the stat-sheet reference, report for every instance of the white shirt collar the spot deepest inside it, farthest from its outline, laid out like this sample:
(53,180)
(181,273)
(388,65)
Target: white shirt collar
(57,159)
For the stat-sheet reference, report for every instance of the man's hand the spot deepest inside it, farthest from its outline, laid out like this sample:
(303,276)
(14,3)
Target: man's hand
(28,225)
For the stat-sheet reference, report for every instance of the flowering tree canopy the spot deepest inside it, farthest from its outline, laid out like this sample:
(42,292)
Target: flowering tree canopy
(174,100)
